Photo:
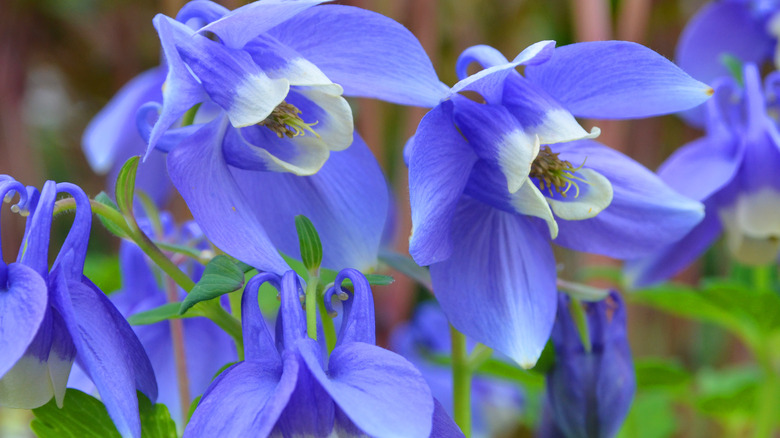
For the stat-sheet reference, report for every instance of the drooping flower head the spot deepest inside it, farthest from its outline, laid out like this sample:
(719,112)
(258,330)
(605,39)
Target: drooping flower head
(291,387)
(589,390)
(501,168)
(51,317)
(733,171)
(263,87)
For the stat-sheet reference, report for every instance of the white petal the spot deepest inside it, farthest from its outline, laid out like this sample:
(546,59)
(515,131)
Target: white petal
(752,227)
(592,200)
(515,156)
(528,200)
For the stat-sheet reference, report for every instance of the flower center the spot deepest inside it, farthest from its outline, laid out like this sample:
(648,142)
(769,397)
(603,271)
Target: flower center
(554,173)
(285,121)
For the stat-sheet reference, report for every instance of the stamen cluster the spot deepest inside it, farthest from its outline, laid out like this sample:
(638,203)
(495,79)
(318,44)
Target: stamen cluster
(554,173)
(285,120)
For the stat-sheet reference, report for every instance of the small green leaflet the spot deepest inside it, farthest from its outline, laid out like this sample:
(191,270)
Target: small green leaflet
(161,313)
(84,416)
(104,199)
(125,185)
(309,240)
(408,267)
(221,276)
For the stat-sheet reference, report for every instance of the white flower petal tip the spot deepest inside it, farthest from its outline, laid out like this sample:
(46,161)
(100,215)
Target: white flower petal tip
(753,228)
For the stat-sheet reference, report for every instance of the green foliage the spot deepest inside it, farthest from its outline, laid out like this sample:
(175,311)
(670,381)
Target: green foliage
(657,373)
(157,314)
(311,246)
(112,228)
(84,416)
(125,185)
(221,276)
(651,416)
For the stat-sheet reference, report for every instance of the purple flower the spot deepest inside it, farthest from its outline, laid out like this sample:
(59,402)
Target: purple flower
(272,130)
(290,387)
(738,28)
(502,168)
(589,392)
(52,317)
(733,171)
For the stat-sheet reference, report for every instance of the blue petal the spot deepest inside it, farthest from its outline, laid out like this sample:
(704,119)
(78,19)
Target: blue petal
(367,53)
(233,80)
(672,259)
(357,323)
(198,13)
(439,165)
(381,392)
(199,172)
(443,425)
(347,201)
(702,167)
(258,343)
(77,239)
(109,137)
(645,214)
(245,23)
(23,301)
(485,56)
(181,91)
(291,321)
(719,28)
(533,54)
(110,351)
(245,400)
(498,287)
(37,232)
(616,80)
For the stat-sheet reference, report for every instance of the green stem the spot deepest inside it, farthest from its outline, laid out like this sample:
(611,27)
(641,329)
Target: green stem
(461,381)
(479,356)
(328,328)
(767,400)
(762,278)
(311,306)
(189,117)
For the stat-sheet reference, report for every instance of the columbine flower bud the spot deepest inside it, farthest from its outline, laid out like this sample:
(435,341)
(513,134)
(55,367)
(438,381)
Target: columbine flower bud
(590,392)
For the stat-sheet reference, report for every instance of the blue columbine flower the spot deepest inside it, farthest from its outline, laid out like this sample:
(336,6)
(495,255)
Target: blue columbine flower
(733,171)
(496,404)
(502,167)
(739,28)
(207,347)
(589,391)
(267,84)
(290,388)
(52,317)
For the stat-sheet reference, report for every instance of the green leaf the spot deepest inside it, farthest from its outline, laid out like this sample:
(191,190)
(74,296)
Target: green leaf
(309,240)
(81,416)
(408,267)
(652,415)
(657,373)
(221,276)
(152,316)
(729,392)
(84,416)
(112,228)
(125,185)
(373,279)
(156,421)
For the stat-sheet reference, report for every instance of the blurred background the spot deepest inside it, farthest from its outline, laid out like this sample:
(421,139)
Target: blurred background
(62,60)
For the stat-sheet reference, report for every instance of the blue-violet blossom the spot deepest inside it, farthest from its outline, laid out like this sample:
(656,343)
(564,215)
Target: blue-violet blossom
(733,171)
(501,168)
(266,83)
(49,318)
(744,29)
(589,391)
(289,387)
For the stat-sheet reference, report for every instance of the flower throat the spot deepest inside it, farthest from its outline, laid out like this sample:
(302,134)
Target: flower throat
(554,173)
(285,121)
